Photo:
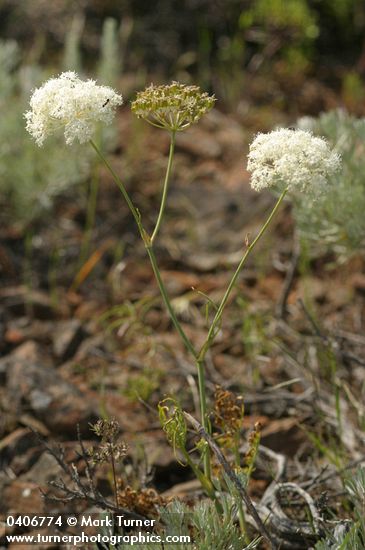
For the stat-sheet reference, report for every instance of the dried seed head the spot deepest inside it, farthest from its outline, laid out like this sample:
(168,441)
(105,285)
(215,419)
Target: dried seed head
(174,106)
(108,430)
(109,447)
(145,501)
(105,451)
(228,411)
(253,445)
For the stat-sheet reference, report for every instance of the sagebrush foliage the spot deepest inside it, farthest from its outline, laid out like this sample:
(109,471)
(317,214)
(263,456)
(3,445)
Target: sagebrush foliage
(207,528)
(31,178)
(336,222)
(349,535)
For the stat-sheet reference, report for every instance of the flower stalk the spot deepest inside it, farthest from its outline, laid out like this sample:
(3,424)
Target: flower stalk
(149,241)
(204,413)
(212,333)
(291,158)
(166,299)
(165,187)
(118,181)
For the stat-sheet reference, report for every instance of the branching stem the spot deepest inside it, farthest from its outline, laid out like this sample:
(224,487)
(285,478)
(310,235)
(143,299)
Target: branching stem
(213,328)
(148,242)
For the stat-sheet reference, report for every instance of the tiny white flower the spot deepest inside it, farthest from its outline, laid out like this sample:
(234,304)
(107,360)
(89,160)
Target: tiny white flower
(72,105)
(294,158)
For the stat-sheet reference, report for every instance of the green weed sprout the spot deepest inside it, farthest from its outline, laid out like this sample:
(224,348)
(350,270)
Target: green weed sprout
(293,160)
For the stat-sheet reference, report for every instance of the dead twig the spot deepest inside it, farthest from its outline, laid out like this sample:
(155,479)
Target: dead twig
(319,480)
(292,534)
(81,490)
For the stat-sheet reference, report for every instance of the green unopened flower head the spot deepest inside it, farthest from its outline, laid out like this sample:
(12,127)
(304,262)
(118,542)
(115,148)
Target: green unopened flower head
(174,106)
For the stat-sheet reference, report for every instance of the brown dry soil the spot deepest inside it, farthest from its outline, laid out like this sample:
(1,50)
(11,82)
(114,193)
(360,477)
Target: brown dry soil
(79,343)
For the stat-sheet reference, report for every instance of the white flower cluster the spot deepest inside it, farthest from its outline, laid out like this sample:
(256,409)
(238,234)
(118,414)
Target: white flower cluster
(70,104)
(294,158)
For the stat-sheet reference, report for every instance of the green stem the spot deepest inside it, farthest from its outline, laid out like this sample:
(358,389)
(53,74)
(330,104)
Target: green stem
(115,481)
(205,482)
(167,302)
(242,520)
(212,331)
(123,190)
(149,248)
(150,252)
(241,512)
(165,187)
(203,413)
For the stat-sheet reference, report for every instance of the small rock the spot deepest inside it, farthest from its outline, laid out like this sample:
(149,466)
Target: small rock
(14,336)
(39,400)
(60,405)
(358,282)
(236,178)
(36,425)
(67,337)
(21,497)
(90,346)
(29,351)
(16,443)
(44,470)
(183,490)
(231,140)
(20,300)
(22,329)
(283,435)
(4,531)
(8,421)
(23,462)
(198,144)
(3,370)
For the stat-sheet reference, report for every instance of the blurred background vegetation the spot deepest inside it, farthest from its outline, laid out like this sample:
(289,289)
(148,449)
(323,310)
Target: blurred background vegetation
(287,62)
(220,44)
(267,61)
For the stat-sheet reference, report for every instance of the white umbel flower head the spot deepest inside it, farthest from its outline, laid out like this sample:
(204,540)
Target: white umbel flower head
(70,104)
(294,158)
